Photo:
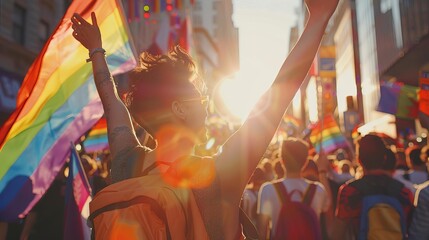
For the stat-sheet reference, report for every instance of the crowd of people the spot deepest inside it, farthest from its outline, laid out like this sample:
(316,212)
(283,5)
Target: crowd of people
(342,184)
(294,194)
(340,181)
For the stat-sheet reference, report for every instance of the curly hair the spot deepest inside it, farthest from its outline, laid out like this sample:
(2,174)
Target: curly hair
(159,80)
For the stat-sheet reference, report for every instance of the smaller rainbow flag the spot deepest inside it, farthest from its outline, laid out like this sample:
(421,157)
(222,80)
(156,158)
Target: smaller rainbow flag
(355,132)
(399,99)
(78,196)
(292,121)
(96,140)
(327,135)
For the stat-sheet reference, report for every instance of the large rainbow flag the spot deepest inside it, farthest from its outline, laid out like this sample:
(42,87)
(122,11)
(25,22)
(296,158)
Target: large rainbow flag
(57,103)
(326,135)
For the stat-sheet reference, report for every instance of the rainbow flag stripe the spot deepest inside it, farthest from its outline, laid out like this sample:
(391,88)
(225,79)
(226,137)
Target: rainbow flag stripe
(97,138)
(327,136)
(56,105)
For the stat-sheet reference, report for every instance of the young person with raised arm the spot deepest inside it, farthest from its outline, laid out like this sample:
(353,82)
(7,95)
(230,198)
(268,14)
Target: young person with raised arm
(166,98)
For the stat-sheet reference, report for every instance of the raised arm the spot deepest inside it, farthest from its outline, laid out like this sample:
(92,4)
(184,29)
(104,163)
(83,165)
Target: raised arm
(121,133)
(242,152)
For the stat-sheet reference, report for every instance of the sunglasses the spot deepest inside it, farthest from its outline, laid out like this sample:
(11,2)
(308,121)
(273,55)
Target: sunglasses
(203,99)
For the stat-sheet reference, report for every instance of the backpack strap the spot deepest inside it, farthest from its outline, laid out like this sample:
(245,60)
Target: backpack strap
(309,194)
(148,169)
(155,207)
(281,192)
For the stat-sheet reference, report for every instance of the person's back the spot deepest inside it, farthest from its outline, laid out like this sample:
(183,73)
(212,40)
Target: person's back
(378,165)
(419,228)
(294,155)
(269,199)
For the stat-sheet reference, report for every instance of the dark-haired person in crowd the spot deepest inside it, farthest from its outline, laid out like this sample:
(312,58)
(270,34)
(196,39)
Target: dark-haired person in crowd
(378,164)
(418,173)
(310,171)
(279,169)
(401,162)
(168,100)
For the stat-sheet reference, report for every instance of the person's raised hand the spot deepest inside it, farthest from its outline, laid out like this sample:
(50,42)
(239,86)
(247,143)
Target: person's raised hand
(321,8)
(87,34)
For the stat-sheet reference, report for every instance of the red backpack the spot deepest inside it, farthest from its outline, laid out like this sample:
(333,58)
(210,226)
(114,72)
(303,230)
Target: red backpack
(297,220)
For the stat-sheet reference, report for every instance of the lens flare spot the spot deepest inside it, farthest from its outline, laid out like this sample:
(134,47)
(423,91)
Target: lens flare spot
(125,230)
(175,148)
(191,172)
(210,143)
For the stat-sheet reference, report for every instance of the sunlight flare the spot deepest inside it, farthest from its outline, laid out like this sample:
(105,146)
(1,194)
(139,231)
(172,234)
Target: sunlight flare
(237,96)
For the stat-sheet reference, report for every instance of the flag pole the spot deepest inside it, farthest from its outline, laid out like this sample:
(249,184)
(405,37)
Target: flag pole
(321,112)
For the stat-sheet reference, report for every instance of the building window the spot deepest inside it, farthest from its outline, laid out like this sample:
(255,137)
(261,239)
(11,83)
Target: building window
(43,32)
(216,5)
(19,23)
(197,5)
(197,20)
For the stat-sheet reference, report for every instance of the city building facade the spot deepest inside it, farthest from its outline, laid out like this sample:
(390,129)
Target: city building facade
(25,26)
(204,27)
(375,41)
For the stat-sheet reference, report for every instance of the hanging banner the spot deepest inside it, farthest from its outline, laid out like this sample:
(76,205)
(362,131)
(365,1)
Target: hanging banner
(327,62)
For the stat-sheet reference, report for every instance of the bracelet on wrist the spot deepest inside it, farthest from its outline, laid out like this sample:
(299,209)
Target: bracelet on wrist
(93,51)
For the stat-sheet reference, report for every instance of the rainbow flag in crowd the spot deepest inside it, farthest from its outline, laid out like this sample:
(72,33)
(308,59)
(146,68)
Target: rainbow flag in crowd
(56,105)
(326,135)
(292,121)
(78,196)
(399,99)
(96,140)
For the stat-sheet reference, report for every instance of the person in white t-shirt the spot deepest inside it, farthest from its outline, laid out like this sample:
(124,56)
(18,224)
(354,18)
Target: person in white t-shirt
(250,194)
(294,155)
